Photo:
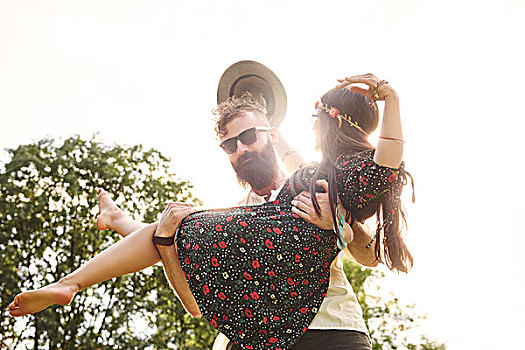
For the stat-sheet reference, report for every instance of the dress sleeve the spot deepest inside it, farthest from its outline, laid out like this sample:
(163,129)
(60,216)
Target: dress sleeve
(360,181)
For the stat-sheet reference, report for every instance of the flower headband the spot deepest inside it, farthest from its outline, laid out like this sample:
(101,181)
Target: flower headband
(333,113)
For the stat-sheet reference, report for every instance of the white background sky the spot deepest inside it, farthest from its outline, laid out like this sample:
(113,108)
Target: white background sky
(147,72)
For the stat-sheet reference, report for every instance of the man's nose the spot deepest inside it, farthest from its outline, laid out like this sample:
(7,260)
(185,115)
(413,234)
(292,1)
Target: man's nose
(241,147)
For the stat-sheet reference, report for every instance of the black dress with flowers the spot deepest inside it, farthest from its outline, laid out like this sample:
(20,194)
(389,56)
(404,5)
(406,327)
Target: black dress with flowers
(260,273)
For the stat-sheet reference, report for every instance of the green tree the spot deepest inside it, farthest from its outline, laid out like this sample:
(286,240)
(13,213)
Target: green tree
(388,322)
(48,208)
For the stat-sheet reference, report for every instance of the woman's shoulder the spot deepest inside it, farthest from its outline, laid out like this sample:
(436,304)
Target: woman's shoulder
(299,179)
(305,170)
(347,160)
(360,161)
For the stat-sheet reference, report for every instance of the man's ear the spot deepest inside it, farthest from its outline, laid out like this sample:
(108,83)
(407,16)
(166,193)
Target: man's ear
(274,136)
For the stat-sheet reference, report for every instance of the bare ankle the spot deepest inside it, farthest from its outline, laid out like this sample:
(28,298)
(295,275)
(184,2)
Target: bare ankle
(68,282)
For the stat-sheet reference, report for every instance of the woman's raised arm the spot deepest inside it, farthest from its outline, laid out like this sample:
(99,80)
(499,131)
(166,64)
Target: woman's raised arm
(389,150)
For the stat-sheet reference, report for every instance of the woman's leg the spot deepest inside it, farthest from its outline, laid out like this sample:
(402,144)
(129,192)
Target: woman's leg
(111,217)
(128,255)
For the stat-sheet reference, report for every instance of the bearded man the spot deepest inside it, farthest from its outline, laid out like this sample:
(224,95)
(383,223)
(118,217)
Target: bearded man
(252,146)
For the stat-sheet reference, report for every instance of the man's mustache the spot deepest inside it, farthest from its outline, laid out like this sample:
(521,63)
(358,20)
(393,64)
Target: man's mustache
(247,156)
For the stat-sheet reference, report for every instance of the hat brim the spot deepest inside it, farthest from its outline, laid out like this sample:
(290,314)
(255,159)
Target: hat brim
(257,79)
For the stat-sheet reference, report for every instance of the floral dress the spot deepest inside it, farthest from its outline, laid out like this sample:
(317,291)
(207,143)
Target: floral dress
(260,273)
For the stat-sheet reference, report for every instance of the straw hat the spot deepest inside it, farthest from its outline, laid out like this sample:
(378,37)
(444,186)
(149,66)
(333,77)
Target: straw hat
(257,79)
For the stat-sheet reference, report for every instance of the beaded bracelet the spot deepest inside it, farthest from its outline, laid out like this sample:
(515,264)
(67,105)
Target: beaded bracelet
(341,243)
(348,213)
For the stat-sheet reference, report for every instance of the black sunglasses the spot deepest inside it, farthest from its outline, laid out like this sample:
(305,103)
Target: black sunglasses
(247,137)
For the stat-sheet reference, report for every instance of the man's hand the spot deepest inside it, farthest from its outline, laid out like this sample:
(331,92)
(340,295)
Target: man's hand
(302,205)
(171,218)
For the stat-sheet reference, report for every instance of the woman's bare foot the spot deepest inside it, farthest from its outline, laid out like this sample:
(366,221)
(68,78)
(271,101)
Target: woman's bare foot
(109,212)
(26,303)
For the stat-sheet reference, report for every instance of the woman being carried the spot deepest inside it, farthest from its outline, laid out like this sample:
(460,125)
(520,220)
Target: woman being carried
(259,274)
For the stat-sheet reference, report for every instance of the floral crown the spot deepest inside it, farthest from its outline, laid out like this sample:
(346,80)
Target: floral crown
(333,113)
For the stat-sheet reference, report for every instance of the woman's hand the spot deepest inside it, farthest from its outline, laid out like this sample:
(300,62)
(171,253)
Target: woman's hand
(378,90)
(171,218)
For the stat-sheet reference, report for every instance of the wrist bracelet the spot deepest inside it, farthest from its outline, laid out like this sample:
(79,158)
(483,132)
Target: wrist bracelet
(166,241)
(288,153)
(392,139)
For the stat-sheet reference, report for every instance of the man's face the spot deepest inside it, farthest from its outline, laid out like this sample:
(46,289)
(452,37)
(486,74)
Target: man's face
(254,164)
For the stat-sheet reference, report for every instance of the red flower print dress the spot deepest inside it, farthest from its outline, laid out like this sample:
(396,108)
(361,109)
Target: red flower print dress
(260,273)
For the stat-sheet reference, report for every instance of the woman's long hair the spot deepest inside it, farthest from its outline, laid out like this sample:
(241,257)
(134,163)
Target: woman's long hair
(336,140)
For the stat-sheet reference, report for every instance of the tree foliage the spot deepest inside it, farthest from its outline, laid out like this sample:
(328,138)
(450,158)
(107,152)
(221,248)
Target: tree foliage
(388,322)
(48,208)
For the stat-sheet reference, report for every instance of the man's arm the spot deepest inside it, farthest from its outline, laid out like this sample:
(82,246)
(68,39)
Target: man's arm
(175,275)
(291,158)
(167,226)
(357,250)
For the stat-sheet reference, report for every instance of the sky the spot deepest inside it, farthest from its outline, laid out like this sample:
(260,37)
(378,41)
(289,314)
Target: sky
(147,72)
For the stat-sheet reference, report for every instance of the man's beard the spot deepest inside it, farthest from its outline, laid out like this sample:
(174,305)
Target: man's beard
(258,171)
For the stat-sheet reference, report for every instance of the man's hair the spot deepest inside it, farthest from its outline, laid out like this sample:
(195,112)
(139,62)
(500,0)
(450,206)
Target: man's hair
(235,107)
